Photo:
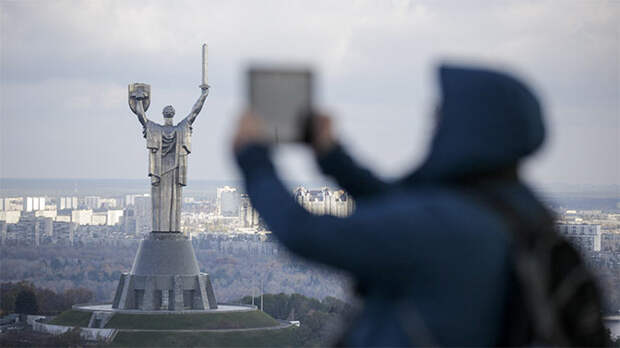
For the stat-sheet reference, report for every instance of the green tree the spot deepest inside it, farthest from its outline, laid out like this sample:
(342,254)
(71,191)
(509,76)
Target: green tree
(26,302)
(78,295)
(318,318)
(8,294)
(48,301)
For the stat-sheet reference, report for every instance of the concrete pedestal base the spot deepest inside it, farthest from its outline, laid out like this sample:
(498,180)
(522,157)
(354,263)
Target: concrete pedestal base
(165,276)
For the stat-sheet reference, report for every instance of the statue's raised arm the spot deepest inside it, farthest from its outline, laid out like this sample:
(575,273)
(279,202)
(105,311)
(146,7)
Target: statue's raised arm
(199,103)
(140,112)
(139,100)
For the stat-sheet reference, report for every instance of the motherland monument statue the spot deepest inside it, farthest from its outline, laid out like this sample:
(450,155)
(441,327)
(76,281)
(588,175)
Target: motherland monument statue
(165,273)
(169,146)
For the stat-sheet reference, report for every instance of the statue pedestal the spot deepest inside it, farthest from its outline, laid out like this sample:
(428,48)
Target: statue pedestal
(165,276)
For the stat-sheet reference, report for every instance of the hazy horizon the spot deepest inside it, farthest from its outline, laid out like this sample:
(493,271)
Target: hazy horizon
(113,187)
(65,67)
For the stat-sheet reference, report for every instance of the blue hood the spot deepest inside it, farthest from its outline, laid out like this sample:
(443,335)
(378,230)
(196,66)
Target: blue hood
(489,121)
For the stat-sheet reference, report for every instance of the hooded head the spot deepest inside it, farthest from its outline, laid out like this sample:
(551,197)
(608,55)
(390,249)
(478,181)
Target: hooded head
(488,122)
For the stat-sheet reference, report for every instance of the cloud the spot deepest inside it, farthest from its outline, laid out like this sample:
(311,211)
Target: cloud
(65,66)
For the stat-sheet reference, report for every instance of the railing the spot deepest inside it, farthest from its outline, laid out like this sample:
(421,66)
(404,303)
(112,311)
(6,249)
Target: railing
(90,334)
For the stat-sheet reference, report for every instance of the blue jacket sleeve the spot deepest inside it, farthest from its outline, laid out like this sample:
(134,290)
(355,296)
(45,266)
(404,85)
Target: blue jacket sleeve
(357,181)
(334,241)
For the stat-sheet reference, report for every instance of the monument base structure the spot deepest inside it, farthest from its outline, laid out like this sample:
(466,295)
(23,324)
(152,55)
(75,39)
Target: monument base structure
(226,326)
(165,276)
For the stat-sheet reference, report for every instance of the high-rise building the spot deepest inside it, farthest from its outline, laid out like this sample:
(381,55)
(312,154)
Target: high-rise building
(49,227)
(72,228)
(341,204)
(114,217)
(12,204)
(46,226)
(610,242)
(63,232)
(30,229)
(247,214)
(227,201)
(36,234)
(92,202)
(324,201)
(68,203)
(128,220)
(131,199)
(108,203)
(584,236)
(3,231)
(143,214)
(34,203)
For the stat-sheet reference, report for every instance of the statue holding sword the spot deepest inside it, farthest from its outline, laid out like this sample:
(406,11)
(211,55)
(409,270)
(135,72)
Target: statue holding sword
(169,146)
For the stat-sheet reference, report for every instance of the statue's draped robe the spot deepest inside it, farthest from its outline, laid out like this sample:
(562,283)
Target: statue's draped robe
(168,148)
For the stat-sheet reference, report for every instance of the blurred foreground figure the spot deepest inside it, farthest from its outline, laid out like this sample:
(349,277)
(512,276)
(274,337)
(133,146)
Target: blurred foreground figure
(459,252)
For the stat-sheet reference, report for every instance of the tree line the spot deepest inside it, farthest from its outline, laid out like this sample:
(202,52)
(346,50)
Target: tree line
(25,298)
(321,320)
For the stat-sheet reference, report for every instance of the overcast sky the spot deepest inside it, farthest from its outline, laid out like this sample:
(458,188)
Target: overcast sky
(65,67)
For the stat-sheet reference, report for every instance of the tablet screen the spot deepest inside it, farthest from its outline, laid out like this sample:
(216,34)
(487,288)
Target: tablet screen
(283,98)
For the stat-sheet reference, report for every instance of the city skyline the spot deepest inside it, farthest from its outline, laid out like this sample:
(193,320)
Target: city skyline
(65,112)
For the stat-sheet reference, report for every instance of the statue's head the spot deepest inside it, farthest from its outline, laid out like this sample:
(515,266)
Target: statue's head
(168,114)
(168,111)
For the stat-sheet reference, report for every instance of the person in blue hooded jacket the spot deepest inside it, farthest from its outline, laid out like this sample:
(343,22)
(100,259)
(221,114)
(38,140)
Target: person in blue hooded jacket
(432,263)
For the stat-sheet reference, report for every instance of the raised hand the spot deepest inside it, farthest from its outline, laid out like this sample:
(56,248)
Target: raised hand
(322,139)
(249,130)
(205,89)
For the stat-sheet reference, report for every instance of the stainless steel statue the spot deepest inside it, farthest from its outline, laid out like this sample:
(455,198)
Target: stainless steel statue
(165,275)
(169,146)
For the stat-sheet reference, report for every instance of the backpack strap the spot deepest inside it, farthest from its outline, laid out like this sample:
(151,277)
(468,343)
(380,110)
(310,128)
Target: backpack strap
(558,289)
(536,319)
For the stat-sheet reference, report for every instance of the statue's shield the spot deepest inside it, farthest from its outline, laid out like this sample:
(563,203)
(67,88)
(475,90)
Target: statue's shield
(139,89)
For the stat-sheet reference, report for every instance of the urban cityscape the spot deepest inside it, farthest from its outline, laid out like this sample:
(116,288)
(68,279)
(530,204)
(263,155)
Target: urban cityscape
(75,241)
(226,221)
(74,221)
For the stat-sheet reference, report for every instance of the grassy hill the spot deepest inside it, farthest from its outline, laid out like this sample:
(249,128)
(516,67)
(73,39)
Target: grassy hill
(197,321)
(72,318)
(285,337)
(259,338)
(320,325)
(189,321)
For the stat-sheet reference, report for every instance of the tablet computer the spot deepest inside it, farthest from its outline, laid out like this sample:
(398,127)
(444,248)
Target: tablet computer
(282,97)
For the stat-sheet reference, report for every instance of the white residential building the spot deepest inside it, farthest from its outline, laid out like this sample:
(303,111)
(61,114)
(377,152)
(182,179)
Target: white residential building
(247,214)
(325,201)
(68,203)
(228,201)
(114,217)
(82,216)
(92,202)
(143,214)
(34,203)
(11,216)
(11,203)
